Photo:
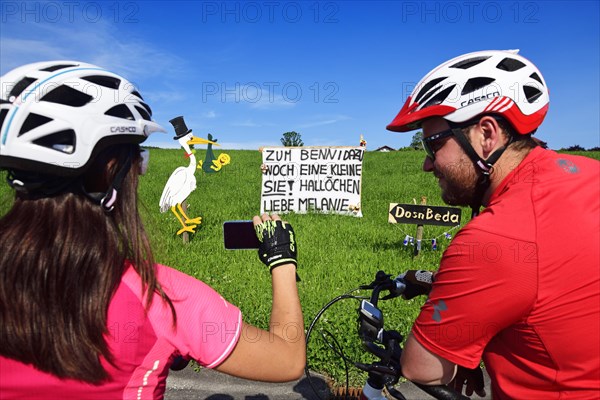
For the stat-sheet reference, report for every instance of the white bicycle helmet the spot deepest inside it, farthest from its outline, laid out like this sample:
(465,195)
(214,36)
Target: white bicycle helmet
(483,82)
(56,116)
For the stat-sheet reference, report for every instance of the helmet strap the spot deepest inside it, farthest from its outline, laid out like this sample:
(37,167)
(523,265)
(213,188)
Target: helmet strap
(484,167)
(36,186)
(108,199)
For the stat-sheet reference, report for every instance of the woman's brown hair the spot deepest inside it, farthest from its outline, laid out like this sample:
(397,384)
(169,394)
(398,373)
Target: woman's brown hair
(61,261)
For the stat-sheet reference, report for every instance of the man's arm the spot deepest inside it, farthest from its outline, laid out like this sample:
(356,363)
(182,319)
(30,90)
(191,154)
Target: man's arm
(422,366)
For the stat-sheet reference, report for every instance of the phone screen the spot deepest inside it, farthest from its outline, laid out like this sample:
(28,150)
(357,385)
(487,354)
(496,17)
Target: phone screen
(239,235)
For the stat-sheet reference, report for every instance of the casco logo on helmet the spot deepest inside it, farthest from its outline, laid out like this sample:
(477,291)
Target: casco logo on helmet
(123,129)
(480,98)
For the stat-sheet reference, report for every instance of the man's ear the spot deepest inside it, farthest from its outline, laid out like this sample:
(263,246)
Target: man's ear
(491,135)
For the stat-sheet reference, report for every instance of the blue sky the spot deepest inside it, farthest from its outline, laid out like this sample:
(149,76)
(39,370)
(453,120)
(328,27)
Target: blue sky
(248,71)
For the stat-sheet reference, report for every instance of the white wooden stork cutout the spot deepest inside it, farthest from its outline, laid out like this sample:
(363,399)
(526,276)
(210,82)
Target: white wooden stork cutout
(182,181)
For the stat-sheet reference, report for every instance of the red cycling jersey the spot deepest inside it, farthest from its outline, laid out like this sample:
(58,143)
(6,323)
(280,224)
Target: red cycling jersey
(520,284)
(142,343)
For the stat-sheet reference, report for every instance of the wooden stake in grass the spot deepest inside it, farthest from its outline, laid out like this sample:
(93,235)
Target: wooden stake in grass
(419,236)
(185,236)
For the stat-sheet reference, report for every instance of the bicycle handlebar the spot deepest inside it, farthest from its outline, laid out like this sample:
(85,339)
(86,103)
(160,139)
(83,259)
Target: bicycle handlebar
(441,392)
(383,344)
(372,332)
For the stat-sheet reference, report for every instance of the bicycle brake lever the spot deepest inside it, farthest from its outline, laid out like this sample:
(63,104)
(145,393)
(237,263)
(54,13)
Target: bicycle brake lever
(383,369)
(380,369)
(390,296)
(375,350)
(365,287)
(395,287)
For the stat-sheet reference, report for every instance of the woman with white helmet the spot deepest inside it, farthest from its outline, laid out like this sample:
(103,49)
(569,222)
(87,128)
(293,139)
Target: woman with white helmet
(85,311)
(506,290)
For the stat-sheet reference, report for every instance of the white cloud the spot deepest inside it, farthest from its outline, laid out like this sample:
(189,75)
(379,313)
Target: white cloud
(98,43)
(209,114)
(164,96)
(323,120)
(16,52)
(249,123)
(246,124)
(263,97)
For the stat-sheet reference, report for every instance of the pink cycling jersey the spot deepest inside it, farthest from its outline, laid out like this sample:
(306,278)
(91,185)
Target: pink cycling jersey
(143,344)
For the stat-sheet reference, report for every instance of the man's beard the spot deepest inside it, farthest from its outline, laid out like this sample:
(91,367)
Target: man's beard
(458,182)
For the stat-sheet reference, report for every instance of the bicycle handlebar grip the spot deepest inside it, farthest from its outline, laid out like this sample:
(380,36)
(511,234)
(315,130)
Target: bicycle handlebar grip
(441,392)
(417,282)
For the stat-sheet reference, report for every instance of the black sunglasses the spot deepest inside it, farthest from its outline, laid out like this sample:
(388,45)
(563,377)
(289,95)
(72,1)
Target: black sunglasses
(433,143)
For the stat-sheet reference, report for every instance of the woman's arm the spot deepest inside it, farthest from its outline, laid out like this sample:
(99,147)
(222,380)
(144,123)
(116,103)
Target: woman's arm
(278,355)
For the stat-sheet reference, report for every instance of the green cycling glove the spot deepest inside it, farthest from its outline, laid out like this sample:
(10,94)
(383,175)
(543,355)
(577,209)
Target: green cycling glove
(277,243)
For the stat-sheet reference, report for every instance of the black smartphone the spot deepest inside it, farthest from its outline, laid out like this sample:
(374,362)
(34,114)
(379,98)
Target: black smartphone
(239,235)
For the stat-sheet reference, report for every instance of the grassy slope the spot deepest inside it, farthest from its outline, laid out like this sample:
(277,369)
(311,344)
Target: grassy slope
(337,253)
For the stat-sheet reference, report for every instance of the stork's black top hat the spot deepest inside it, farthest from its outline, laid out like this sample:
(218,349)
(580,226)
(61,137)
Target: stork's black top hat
(180,128)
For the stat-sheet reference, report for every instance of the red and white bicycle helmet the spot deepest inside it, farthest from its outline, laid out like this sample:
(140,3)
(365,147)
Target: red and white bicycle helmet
(56,115)
(483,82)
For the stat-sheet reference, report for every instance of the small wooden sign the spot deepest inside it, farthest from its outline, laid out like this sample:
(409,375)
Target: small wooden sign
(423,215)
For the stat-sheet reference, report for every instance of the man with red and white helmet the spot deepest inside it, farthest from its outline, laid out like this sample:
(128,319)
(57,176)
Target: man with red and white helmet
(519,285)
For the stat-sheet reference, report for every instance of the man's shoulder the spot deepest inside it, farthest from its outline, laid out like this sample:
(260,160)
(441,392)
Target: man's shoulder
(490,230)
(562,181)
(511,216)
(549,162)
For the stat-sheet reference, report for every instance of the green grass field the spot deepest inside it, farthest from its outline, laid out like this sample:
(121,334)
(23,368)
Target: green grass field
(336,253)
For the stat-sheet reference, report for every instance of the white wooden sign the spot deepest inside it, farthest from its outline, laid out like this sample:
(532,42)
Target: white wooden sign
(312,179)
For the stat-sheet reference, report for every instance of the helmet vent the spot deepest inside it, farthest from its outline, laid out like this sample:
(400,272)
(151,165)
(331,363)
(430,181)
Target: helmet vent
(476,83)
(510,64)
(67,96)
(63,141)
(427,87)
(536,77)
(143,113)
(33,121)
(471,62)
(440,97)
(531,93)
(120,111)
(56,67)
(136,93)
(19,87)
(3,113)
(147,107)
(106,81)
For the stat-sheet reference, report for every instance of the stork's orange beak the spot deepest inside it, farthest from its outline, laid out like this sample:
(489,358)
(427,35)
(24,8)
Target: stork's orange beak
(197,140)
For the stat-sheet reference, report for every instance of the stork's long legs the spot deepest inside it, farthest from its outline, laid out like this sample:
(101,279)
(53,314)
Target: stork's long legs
(186,228)
(188,220)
